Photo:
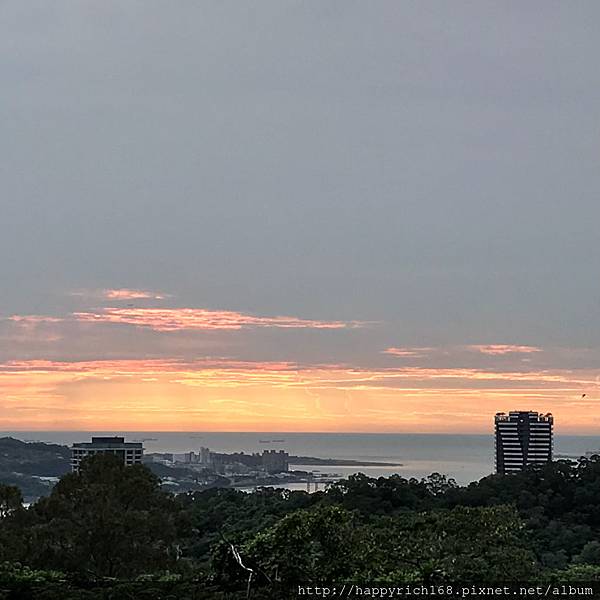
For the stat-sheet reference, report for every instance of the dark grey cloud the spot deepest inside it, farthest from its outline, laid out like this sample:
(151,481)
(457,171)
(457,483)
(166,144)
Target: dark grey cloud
(430,165)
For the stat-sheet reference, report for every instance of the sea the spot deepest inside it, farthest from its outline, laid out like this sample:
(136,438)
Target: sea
(463,457)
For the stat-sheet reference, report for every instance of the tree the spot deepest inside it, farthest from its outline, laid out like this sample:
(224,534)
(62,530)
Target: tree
(462,544)
(321,544)
(106,520)
(438,485)
(590,554)
(10,500)
(385,495)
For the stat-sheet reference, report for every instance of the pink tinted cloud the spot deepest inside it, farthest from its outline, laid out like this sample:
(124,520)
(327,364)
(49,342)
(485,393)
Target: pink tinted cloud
(500,349)
(33,320)
(487,349)
(129,294)
(120,294)
(174,319)
(31,329)
(407,352)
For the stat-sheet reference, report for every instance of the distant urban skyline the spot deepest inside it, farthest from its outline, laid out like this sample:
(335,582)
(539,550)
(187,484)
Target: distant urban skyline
(299,216)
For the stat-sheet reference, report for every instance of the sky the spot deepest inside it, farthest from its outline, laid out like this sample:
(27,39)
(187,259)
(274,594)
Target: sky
(299,216)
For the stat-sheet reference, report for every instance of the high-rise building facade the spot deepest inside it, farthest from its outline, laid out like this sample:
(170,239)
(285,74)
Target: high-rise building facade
(130,453)
(522,438)
(274,461)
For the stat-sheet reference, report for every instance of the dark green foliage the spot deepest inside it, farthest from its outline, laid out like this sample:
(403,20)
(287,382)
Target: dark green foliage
(382,496)
(559,503)
(326,543)
(329,543)
(462,544)
(590,554)
(10,499)
(238,515)
(108,520)
(115,521)
(585,573)
(11,573)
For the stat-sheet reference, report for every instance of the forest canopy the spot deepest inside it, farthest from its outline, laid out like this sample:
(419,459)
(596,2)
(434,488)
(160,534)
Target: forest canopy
(114,523)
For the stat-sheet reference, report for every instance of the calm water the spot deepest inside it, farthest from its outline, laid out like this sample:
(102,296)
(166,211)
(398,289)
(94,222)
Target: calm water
(464,457)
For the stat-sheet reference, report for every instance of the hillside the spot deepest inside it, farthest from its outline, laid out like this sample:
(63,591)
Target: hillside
(34,458)
(32,466)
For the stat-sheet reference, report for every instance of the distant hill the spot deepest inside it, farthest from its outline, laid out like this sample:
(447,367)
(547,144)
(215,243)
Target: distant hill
(32,466)
(34,458)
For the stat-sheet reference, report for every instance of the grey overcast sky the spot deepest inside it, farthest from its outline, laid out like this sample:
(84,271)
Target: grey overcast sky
(429,169)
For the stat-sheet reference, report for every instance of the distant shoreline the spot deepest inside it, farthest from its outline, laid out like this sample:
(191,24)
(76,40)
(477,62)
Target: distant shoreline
(338,462)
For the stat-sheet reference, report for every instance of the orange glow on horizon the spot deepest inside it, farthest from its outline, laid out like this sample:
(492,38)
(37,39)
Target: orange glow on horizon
(223,395)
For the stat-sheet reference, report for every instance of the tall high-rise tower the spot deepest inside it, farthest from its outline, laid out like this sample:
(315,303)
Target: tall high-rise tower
(522,438)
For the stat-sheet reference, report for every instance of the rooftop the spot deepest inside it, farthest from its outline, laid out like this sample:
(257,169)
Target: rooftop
(108,442)
(529,414)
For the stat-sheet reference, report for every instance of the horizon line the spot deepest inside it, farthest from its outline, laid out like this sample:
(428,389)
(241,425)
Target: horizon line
(137,431)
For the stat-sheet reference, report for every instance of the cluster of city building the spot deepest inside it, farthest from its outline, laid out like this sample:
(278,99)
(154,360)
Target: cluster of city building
(236,463)
(522,438)
(131,453)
